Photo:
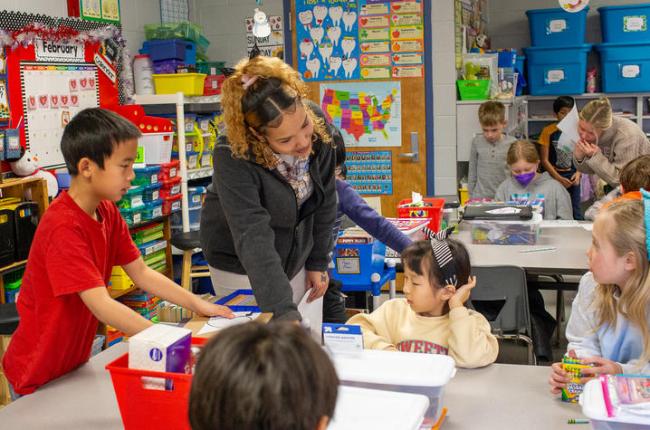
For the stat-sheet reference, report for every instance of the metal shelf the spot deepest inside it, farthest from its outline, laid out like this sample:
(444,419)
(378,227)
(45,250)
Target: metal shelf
(165,104)
(201,173)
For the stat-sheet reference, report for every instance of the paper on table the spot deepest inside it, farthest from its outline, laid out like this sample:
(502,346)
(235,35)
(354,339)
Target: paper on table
(588,227)
(219,323)
(312,313)
(558,223)
(569,128)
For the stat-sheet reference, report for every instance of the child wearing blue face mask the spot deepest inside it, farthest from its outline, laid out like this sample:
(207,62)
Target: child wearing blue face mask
(523,161)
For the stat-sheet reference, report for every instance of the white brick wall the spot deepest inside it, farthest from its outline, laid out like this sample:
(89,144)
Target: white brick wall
(223,24)
(444,97)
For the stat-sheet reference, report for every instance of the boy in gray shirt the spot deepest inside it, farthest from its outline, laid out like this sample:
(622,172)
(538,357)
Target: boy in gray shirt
(487,159)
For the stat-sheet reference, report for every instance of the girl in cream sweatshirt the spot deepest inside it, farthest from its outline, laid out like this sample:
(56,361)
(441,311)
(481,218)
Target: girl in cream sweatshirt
(432,317)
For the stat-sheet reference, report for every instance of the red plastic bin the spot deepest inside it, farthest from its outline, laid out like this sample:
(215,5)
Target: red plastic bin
(169,170)
(433,210)
(170,187)
(171,204)
(142,408)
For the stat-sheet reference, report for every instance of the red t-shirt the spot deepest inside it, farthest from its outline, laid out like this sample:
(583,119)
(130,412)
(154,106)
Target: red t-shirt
(71,252)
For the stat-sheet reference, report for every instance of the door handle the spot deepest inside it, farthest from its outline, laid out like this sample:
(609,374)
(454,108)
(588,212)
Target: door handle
(414,155)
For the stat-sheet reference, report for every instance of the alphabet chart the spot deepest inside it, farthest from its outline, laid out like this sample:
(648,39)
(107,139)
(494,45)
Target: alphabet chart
(52,94)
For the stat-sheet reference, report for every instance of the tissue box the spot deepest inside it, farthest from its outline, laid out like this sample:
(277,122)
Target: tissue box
(161,348)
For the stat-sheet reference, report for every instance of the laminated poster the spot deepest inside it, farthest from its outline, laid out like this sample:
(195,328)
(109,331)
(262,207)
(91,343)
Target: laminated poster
(370,172)
(327,39)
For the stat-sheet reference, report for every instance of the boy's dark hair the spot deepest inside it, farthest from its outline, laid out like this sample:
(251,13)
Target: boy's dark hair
(636,174)
(563,102)
(254,376)
(339,149)
(419,258)
(93,133)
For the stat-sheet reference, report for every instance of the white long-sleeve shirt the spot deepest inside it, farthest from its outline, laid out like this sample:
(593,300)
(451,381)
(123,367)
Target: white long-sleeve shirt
(462,334)
(622,344)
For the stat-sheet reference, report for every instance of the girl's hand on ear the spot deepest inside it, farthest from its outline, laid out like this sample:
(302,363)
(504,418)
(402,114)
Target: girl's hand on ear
(600,366)
(462,294)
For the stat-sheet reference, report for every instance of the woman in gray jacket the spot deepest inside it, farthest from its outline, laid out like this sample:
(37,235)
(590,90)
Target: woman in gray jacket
(268,215)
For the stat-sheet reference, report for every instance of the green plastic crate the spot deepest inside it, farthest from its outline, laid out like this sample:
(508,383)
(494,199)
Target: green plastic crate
(478,89)
(180,30)
(147,235)
(210,67)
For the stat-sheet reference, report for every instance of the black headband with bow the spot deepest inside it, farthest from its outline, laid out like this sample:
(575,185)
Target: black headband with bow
(442,254)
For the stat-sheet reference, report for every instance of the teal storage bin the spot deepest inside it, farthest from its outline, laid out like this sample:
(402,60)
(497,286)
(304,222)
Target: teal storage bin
(625,23)
(625,67)
(145,176)
(557,71)
(557,27)
(152,210)
(151,192)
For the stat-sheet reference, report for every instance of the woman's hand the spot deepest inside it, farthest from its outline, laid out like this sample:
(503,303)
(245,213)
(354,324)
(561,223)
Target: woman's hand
(207,309)
(462,294)
(317,282)
(585,149)
(600,366)
(559,378)
(575,179)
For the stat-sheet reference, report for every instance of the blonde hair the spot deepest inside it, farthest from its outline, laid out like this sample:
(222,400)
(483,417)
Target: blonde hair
(272,78)
(598,113)
(491,113)
(522,150)
(627,233)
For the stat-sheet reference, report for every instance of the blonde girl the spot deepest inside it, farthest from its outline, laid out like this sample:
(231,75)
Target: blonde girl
(609,326)
(607,142)
(267,219)
(526,183)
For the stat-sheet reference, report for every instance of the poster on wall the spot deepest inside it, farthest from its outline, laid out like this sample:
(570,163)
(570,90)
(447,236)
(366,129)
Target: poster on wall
(367,113)
(370,172)
(391,38)
(52,94)
(273,44)
(327,37)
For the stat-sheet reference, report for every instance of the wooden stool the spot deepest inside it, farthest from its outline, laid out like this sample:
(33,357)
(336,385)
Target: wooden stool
(8,324)
(189,243)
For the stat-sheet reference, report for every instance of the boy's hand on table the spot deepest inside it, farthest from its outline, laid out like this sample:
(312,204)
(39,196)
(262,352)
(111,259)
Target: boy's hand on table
(208,309)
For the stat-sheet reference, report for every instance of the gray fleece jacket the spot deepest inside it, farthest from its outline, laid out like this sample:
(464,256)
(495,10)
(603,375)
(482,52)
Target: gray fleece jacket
(557,202)
(250,224)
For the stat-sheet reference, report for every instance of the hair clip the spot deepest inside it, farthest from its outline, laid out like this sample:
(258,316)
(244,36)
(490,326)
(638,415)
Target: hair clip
(227,71)
(248,80)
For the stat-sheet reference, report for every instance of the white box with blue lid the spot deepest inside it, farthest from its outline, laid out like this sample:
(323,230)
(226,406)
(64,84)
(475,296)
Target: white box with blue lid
(408,372)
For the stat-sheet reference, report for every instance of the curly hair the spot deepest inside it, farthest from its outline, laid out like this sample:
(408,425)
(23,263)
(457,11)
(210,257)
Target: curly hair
(248,111)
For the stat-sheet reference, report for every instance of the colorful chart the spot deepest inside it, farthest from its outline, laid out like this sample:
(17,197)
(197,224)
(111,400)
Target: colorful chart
(367,113)
(327,34)
(370,172)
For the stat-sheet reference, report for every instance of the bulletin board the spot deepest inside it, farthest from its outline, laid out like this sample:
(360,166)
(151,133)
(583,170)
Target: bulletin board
(53,93)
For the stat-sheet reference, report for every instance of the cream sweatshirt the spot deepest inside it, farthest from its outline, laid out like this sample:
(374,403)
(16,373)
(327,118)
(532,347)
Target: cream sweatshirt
(462,334)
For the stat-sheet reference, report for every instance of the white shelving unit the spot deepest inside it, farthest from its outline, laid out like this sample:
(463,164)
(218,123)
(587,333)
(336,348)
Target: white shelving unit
(539,109)
(180,102)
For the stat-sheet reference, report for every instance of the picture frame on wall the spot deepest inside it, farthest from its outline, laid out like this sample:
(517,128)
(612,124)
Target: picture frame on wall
(4,100)
(96,10)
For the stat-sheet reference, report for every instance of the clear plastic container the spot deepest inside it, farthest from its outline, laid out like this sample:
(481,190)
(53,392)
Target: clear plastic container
(506,232)
(132,199)
(146,175)
(593,406)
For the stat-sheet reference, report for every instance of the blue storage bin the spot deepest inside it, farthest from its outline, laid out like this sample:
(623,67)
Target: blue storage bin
(521,69)
(146,175)
(556,27)
(195,196)
(625,67)
(152,210)
(507,57)
(626,23)
(557,71)
(151,192)
(173,49)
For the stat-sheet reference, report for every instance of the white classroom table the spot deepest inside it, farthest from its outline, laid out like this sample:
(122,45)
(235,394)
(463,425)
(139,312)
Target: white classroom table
(568,258)
(499,397)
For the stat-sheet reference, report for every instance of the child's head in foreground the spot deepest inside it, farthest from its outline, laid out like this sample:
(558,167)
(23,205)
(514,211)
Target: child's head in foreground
(99,148)
(255,377)
(433,271)
(636,174)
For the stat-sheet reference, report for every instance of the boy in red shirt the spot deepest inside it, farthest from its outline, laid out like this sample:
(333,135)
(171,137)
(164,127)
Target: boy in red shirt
(78,241)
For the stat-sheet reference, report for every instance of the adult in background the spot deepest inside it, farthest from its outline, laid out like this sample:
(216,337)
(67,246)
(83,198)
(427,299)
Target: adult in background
(607,142)
(268,214)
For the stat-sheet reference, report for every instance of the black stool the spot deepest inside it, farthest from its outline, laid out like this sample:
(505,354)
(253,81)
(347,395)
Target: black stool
(189,243)
(8,319)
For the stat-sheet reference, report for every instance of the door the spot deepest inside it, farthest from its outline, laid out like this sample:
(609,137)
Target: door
(409,171)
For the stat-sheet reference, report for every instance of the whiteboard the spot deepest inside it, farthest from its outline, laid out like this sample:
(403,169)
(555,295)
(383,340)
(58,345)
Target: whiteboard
(53,93)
